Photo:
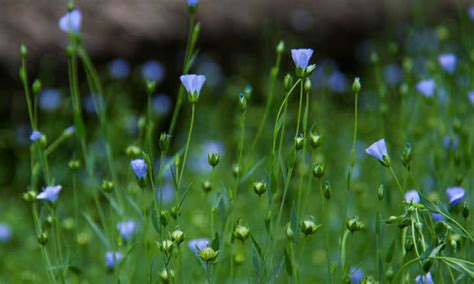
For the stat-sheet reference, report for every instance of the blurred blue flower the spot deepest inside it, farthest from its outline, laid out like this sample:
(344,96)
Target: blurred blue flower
(193,83)
(412,196)
(167,190)
(448,62)
(426,87)
(423,41)
(153,70)
(356,275)
(5,233)
(127,229)
(119,68)
(393,74)
(471,12)
(112,258)
(378,150)
(450,143)
(36,135)
(470,96)
(301,57)
(161,104)
(50,193)
(71,22)
(338,82)
(196,245)
(207,65)
(424,279)
(50,100)
(139,168)
(193,3)
(93,101)
(437,217)
(69,131)
(455,194)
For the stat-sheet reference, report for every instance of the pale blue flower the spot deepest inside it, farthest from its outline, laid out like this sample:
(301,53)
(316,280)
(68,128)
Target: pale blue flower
(470,96)
(301,57)
(393,74)
(36,135)
(356,275)
(94,102)
(455,194)
(412,196)
(448,62)
(50,193)
(127,229)
(167,191)
(119,68)
(193,83)
(196,245)
(338,82)
(5,233)
(424,279)
(450,142)
(193,3)
(437,217)
(50,100)
(139,168)
(112,258)
(161,104)
(71,22)
(378,150)
(426,87)
(153,70)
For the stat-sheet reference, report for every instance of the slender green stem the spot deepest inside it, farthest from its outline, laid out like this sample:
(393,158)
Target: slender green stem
(188,140)
(303,157)
(396,180)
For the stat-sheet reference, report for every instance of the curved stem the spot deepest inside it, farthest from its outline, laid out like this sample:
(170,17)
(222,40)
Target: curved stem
(186,149)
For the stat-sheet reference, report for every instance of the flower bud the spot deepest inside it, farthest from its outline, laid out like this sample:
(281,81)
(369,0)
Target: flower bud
(248,91)
(391,220)
(308,227)
(409,245)
(380,192)
(23,51)
(465,210)
(213,159)
(389,274)
(164,141)
(288,82)
(318,170)
(107,185)
(407,156)
(241,232)
(289,232)
(43,238)
(354,224)
(259,187)
(307,86)
(29,196)
(208,254)
(356,86)
(177,236)
(165,246)
(175,212)
(37,86)
(299,142)
(150,87)
(141,123)
(235,170)
(164,217)
(74,165)
(164,275)
(327,191)
(133,151)
(315,140)
(242,102)
(280,48)
(206,186)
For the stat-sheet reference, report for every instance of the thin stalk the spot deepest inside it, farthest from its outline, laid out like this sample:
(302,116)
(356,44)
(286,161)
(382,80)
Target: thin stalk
(188,140)
(396,180)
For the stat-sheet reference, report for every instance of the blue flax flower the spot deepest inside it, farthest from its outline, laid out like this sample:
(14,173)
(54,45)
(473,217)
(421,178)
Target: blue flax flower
(36,135)
(50,193)
(448,62)
(50,100)
(139,168)
(455,194)
(153,70)
(193,83)
(71,22)
(378,150)
(424,279)
(426,87)
(5,233)
(301,57)
(412,196)
(437,217)
(119,68)
(127,229)
(356,275)
(112,258)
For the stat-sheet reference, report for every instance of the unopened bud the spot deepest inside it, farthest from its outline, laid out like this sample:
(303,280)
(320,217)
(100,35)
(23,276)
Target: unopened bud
(133,151)
(259,187)
(308,227)
(241,232)
(165,278)
(29,196)
(465,210)
(318,170)
(213,159)
(315,140)
(208,254)
(327,191)
(242,102)
(23,51)
(175,212)
(37,86)
(177,236)
(356,86)
(280,48)
(206,186)
(164,217)
(43,238)
(299,142)
(354,224)
(380,192)
(164,141)
(74,165)
(165,246)
(407,156)
(289,232)
(107,185)
(236,170)
(150,87)
(307,86)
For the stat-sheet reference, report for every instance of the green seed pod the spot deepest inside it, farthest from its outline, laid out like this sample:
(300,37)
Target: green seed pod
(74,165)
(206,186)
(315,140)
(107,185)
(241,232)
(380,192)
(29,196)
(299,142)
(327,190)
(43,238)
(177,236)
(175,212)
(308,227)
(354,224)
(37,86)
(164,217)
(165,278)
(389,274)
(259,187)
(213,159)
(318,170)
(208,254)
(165,246)
(236,170)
